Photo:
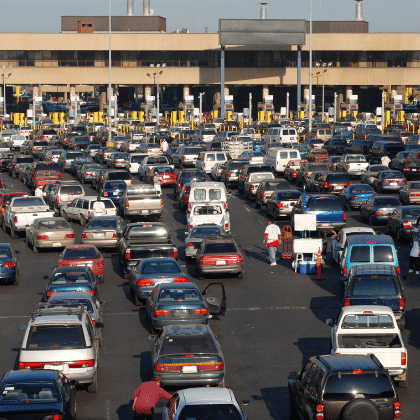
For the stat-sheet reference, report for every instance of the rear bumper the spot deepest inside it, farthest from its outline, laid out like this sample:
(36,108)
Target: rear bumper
(231,268)
(54,243)
(101,243)
(187,379)
(129,212)
(160,323)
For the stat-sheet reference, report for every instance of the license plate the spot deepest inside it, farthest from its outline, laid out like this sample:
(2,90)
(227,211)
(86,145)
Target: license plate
(100,235)
(115,192)
(181,311)
(54,367)
(81,265)
(325,224)
(166,176)
(145,212)
(220,262)
(292,138)
(56,244)
(189,369)
(414,170)
(393,183)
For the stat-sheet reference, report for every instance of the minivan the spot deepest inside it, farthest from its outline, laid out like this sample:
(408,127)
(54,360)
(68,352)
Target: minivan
(206,160)
(278,158)
(206,192)
(285,135)
(367,249)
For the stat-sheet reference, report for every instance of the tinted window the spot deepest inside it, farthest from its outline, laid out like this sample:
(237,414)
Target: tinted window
(368,384)
(236,165)
(283,155)
(412,213)
(324,204)
(192,176)
(362,189)
(210,157)
(53,224)
(48,167)
(210,411)
(80,253)
(198,232)
(24,160)
(360,253)
(153,267)
(382,253)
(36,393)
(288,195)
(374,287)
(30,201)
(115,185)
(71,189)
(338,178)
(55,337)
(118,175)
(5,253)
(387,202)
(220,247)
(188,345)
(74,155)
(70,277)
(175,295)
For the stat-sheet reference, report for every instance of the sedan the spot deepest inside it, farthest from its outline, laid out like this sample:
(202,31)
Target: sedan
(85,173)
(266,188)
(83,256)
(377,209)
(78,163)
(113,190)
(401,221)
(165,174)
(197,234)
(103,231)
(9,264)
(410,193)
(49,232)
(219,256)
(150,272)
(254,158)
(97,178)
(118,160)
(355,195)
(38,393)
(389,181)
(71,279)
(281,203)
(371,172)
(173,304)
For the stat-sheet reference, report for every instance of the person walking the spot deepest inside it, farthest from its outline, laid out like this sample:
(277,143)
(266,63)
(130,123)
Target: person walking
(385,160)
(164,145)
(146,396)
(414,262)
(99,207)
(272,236)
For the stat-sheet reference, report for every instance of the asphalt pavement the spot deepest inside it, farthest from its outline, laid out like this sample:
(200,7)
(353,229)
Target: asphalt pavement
(275,319)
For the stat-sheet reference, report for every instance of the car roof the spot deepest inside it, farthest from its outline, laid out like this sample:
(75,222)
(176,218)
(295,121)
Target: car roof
(349,362)
(190,329)
(365,239)
(360,309)
(193,396)
(38,375)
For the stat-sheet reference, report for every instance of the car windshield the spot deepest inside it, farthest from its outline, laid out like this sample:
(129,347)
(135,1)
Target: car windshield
(53,224)
(5,253)
(22,393)
(71,303)
(372,385)
(55,337)
(410,213)
(119,175)
(324,204)
(377,286)
(175,295)
(81,253)
(367,321)
(70,277)
(24,160)
(166,267)
(190,344)
(199,232)
(210,412)
(387,202)
(220,248)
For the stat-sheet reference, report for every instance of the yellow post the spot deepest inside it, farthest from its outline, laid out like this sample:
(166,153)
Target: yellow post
(355,114)
(182,116)
(402,115)
(17,94)
(229,115)
(134,115)
(269,116)
(95,117)
(216,114)
(55,117)
(62,116)
(387,118)
(101,117)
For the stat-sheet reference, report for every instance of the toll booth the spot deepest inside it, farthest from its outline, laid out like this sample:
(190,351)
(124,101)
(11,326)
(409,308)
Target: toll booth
(395,108)
(147,107)
(188,107)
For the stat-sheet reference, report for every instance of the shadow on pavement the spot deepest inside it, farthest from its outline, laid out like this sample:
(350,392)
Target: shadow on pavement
(276,399)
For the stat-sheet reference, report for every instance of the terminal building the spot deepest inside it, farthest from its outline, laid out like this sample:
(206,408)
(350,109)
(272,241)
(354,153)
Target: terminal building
(76,60)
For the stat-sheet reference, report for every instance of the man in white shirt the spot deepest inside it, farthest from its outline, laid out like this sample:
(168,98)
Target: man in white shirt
(99,207)
(39,192)
(385,160)
(164,145)
(272,236)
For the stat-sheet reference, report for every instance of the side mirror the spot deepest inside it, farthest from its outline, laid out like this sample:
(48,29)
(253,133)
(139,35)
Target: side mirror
(329,322)
(151,338)
(22,327)
(99,325)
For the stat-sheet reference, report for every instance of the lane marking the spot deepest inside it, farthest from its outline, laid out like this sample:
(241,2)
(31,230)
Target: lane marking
(246,208)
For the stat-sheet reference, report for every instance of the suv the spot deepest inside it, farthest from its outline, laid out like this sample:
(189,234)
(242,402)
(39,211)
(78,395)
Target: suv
(16,162)
(249,169)
(65,192)
(343,387)
(62,339)
(230,171)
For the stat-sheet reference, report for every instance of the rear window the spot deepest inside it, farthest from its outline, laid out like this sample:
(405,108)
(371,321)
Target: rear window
(312,168)
(188,345)
(81,277)
(5,253)
(74,155)
(55,337)
(338,178)
(324,204)
(220,247)
(191,151)
(24,160)
(412,213)
(154,267)
(260,176)
(356,159)
(387,202)
(210,411)
(389,175)
(80,253)
(30,201)
(288,195)
(192,176)
(200,231)
(71,303)
(176,295)
(71,189)
(207,210)
(367,321)
(360,253)
(115,185)
(119,175)
(383,253)
(371,385)
(137,159)
(99,223)
(374,287)
(47,167)
(108,204)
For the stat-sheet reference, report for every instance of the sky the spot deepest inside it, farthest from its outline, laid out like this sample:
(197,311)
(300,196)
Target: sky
(44,16)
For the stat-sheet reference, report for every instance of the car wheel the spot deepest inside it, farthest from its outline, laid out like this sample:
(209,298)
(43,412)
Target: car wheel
(399,236)
(73,413)
(16,282)
(66,218)
(371,221)
(360,408)
(93,387)
(404,384)
(82,220)
(4,227)
(13,233)
(241,275)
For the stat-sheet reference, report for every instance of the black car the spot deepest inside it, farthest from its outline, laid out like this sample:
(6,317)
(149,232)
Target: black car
(376,284)
(401,221)
(188,176)
(37,394)
(333,182)
(337,387)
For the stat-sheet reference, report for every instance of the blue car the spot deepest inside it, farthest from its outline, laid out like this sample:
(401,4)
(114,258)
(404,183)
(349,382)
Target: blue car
(303,148)
(9,264)
(355,195)
(113,190)
(71,279)
(37,394)
(377,209)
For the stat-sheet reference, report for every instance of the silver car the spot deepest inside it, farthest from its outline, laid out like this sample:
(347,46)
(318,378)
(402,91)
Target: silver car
(103,231)
(371,172)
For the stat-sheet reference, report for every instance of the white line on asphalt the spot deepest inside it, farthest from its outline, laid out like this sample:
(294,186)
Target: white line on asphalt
(108,410)
(261,222)
(246,208)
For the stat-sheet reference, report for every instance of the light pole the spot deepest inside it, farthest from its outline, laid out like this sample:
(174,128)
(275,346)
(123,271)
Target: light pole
(110,94)
(158,72)
(201,105)
(324,67)
(4,90)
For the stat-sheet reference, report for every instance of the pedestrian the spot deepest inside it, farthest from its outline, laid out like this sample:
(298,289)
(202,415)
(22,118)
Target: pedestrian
(272,235)
(385,160)
(414,261)
(146,396)
(323,235)
(164,145)
(99,207)
(39,192)
(156,183)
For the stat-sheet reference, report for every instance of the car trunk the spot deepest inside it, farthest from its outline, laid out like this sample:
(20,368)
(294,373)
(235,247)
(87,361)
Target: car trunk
(391,301)
(100,234)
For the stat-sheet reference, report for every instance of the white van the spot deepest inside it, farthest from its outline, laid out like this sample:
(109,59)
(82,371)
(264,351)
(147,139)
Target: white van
(134,161)
(207,192)
(279,157)
(284,135)
(206,160)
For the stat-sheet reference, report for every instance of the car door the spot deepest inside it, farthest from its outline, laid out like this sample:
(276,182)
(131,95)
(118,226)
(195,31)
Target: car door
(30,231)
(71,208)
(215,298)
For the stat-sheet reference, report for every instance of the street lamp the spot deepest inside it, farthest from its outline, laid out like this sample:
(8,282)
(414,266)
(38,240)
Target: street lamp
(4,90)
(201,105)
(158,66)
(324,67)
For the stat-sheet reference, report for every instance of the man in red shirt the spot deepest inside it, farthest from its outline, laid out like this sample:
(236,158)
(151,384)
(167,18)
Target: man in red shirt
(146,396)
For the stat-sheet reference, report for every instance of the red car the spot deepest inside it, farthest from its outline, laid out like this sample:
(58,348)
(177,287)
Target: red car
(83,255)
(165,174)
(44,177)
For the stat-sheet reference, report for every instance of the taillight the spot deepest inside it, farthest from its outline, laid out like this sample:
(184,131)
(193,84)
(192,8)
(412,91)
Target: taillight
(48,294)
(345,271)
(179,185)
(344,216)
(326,185)
(226,226)
(378,213)
(348,166)
(403,359)
(9,264)
(398,270)
(159,312)
(161,202)
(228,175)
(347,302)
(43,237)
(105,193)
(114,236)
(191,226)
(280,205)
(190,244)
(53,417)
(180,280)
(127,254)
(16,219)
(144,282)
(319,412)
(84,236)
(402,304)
(175,249)
(406,225)
(127,204)
(70,236)
(397,410)
(200,311)
(65,162)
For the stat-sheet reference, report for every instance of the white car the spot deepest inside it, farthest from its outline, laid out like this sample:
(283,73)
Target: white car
(338,242)
(208,214)
(134,161)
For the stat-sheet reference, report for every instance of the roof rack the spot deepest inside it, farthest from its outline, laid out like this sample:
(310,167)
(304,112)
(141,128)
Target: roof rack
(41,309)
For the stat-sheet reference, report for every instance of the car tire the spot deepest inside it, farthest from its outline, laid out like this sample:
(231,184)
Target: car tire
(4,227)
(241,275)
(16,282)
(398,235)
(371,221)
(82,220)
(404,384)
(13,233)
(73,413)
(360,408)
(93,387)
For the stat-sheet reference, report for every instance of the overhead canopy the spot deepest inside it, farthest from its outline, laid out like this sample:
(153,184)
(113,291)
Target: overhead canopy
(262,32)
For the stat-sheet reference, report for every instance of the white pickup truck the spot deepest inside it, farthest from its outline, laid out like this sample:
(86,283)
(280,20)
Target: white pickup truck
(237,145)
(249,131)
(150,162)
(371,329)
(208,214)
(22,211)
(353,165)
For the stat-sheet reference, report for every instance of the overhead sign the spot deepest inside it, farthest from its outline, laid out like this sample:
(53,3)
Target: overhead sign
(150,100)
(262,32)
(268,99)
(397,99)
(189,100)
